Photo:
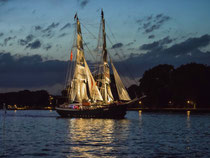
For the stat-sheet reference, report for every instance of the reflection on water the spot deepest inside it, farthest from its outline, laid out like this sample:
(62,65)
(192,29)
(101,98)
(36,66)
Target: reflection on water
(188,119)
(96,135)
(41,134)
(188,134)
(3,134)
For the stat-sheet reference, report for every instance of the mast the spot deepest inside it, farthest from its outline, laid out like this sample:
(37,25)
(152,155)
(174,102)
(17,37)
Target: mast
(83,80)
(105,89)
(78,91)
(122,92)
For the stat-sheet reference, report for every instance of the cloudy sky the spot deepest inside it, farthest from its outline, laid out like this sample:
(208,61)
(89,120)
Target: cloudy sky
(36,37)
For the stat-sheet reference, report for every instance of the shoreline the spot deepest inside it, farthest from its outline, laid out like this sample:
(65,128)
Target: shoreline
(176,110)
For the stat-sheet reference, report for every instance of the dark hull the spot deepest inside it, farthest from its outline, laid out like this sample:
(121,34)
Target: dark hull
(106,111)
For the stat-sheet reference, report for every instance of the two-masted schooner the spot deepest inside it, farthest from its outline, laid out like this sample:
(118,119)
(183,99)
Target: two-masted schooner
(91,96)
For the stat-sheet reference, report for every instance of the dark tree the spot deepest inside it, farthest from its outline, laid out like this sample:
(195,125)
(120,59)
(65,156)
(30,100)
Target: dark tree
(155,85)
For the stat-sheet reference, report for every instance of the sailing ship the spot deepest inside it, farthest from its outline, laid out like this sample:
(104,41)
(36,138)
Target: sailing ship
(90,96)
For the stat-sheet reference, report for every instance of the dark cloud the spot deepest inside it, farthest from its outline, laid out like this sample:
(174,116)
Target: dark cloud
(166,40)
(159,16)
(1,34)
(38,28)
(129,44)
(146,25)
(65,26)
(6,40)
(48,32)
(189,45)
(149,18)
(30,71)
(178,54)
(152,23)
(50,27)
(117,45)
(47,46)
(62,35)
(150,46)
(29,38)
(22,42)
(152,28)
(151,36)
(83,3)
(157,45)
(34,45)
(25,41)
(131,49)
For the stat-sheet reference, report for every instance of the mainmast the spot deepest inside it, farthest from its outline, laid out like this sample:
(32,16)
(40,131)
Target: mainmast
(122,92)
(105,88)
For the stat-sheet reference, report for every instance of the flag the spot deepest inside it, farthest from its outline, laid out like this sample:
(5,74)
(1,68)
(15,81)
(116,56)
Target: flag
(102,13)
(75,16)
(71,57)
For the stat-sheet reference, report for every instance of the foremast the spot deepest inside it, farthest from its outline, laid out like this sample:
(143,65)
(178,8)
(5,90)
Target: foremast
(82,80)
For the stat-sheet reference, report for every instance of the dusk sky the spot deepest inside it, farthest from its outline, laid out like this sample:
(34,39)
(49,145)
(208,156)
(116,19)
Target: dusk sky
(36,37)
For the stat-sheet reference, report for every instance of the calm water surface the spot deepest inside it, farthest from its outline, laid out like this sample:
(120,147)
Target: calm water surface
(42,134)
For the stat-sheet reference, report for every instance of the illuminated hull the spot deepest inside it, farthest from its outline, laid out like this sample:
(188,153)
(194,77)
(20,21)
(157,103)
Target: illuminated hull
(97,111)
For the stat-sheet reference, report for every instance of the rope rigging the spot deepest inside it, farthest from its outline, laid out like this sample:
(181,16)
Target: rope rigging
(102,75)
(121,58)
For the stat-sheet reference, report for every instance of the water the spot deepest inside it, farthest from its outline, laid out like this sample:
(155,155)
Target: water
(42,134)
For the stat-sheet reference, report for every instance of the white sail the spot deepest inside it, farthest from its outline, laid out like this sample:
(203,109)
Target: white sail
(79,82)
(93,89)
(78,90)
(109,94)
(122,92)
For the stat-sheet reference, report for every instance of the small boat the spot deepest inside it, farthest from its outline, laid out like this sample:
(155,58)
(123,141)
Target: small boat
(88,95)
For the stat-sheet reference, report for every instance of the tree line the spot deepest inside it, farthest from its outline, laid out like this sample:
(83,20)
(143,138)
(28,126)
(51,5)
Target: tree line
(25,98)
(169,87)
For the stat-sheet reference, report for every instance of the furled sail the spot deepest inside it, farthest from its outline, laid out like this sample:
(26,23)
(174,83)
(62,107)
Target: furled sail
(122,92)
(105,88)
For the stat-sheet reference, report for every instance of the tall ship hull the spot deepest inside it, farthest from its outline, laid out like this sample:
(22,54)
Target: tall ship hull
(114,110)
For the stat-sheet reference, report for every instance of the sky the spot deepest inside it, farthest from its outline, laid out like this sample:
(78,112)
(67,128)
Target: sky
(36,37)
